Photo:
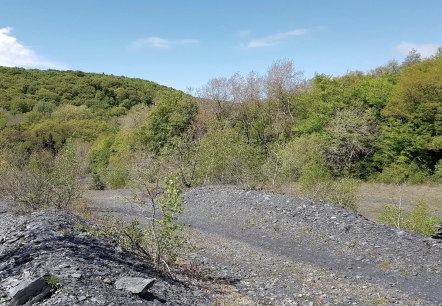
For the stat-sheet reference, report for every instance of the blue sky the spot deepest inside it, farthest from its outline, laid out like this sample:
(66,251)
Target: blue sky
(185,43)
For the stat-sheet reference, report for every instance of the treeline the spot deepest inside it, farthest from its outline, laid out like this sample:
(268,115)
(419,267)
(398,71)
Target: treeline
(256,130)
(384,125)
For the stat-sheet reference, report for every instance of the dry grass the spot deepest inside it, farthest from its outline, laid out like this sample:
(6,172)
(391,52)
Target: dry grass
(374,196)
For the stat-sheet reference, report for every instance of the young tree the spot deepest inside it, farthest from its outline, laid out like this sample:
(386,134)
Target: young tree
(352,132)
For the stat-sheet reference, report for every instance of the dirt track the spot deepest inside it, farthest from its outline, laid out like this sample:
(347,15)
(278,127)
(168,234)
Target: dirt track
(280,250)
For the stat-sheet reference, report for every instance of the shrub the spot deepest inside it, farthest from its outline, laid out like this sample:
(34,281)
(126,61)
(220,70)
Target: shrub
(42,180)
(99,159)
(314,181)
(418,220)
(403,171)
(226,158)
(303,156)
(161,238)
(344,192)
(437,176)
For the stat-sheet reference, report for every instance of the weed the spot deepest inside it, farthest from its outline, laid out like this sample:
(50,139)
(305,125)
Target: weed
(53,281)
(276,228)
(418,220)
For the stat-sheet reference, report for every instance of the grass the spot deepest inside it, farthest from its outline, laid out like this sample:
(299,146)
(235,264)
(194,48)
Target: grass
(373,197)
(53,281)
(388,265)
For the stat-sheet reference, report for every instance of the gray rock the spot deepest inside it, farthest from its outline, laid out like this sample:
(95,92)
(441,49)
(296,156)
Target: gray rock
(29,292)
(136,285)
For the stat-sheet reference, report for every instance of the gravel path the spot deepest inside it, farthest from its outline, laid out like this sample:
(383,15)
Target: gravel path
(276,249)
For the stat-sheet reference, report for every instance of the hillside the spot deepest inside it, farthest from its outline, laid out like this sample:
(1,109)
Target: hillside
(35,105)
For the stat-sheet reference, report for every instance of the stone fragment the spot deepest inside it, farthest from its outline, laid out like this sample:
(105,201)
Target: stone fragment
(438,234)
(76,275)
(30,291)
(136,285)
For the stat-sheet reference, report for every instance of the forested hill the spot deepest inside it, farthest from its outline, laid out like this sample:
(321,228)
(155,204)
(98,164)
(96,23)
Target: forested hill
(256,130)
(43,109)
(21,90)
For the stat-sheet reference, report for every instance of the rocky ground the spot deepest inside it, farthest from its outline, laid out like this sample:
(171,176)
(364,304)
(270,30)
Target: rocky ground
(84,270)
(284,250)
(260,248)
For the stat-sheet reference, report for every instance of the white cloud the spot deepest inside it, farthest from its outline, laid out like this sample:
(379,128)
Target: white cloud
(158,42)
(15,54)
(275,39)
(426,50)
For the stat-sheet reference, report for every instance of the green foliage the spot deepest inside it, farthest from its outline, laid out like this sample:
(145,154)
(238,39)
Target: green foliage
(315,180)
(41,179)
(414,116)
(438,172)
(418,220)
(226,158)
(344,192)
(385,125)
(53,281)
(169,234)
(99,160)
(352,132)
(303,154)
(162,238)
(65,177)
(403,171)
(171,116)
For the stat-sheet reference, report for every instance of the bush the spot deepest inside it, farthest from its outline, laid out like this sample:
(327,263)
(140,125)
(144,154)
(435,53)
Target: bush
(42,180)
(344,192)
(314,181)
(437,176)
(418,220)
(162,238)
(226,158)
(403,170)
(303,156)
(99,160)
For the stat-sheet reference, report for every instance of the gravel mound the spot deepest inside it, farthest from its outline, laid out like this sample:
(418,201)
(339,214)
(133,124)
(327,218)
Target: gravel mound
(84,268)
(298,251)
(268,249)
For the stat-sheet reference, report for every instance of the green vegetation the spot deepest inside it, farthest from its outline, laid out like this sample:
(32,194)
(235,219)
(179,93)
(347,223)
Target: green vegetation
(160,238)
(40,179)
(418,220)
(326,134)
(53,281)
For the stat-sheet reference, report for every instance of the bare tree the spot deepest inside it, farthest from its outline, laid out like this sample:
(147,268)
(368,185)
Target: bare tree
(412,58)
(253,87)
(218,91)
(281,82)
(391,67)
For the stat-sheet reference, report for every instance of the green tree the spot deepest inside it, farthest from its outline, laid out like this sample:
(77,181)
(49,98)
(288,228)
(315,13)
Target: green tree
(171,116)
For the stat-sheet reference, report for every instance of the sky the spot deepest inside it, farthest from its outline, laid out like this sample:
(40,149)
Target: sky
(184,44)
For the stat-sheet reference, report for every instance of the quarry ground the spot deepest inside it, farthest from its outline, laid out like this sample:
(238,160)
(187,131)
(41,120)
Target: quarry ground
(281,250)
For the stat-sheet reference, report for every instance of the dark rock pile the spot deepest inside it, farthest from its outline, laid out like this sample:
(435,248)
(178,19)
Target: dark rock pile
(438,234)
(44,260)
